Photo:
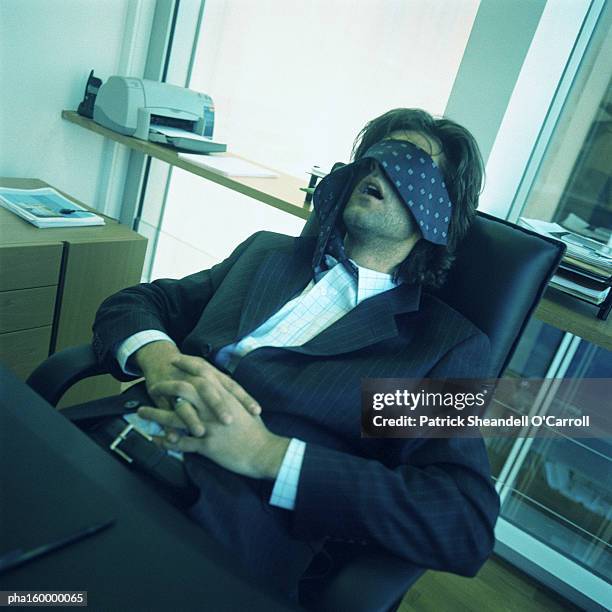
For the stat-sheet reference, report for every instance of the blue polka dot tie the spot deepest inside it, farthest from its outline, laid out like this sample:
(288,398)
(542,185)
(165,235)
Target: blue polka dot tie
(415,176)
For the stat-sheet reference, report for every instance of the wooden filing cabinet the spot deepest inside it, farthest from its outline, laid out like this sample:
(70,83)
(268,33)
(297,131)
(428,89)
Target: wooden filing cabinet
(51,284)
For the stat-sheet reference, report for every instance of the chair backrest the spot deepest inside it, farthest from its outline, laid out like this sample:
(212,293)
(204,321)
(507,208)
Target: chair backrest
(498,278)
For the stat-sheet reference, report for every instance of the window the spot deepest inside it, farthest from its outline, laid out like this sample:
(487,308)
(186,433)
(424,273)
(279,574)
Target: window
(268,65)
(557,491)
(573,184)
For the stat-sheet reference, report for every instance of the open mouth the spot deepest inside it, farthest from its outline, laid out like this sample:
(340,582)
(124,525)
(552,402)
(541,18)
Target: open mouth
(372,189)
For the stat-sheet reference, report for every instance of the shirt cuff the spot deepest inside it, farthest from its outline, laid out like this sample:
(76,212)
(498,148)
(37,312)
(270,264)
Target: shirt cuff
(129,346)
(285,488)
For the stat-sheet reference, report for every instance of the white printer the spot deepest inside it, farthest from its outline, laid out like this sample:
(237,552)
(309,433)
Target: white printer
(158,112)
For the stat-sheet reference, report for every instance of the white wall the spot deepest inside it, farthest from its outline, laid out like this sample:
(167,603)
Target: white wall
(47,48)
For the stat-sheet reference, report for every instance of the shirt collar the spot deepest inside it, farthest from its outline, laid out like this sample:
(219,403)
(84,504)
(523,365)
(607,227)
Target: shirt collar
(369,282)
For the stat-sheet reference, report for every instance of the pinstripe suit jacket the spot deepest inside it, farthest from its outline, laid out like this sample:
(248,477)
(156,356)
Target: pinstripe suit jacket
(429,501)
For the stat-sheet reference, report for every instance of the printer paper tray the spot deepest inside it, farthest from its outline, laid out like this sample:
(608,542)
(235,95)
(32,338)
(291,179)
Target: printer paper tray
(195,144)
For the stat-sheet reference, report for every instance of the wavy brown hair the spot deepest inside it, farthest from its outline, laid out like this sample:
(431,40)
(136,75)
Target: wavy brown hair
(463,170)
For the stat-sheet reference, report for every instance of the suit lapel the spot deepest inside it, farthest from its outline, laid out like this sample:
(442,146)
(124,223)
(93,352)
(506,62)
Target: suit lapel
(279,278)
(282,274)
(371,321)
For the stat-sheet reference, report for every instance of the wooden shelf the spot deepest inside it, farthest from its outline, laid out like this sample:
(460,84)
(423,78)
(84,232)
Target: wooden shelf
(556,309)
(282,192)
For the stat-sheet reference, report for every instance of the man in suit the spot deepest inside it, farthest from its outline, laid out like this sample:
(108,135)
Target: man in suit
(255,365)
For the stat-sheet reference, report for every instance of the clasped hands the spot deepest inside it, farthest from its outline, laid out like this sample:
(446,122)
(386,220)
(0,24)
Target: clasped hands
(217,419)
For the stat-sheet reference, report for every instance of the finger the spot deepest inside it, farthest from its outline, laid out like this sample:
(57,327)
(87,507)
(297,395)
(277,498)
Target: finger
(166,418)
(160,401)
(207,381)
(218,401)
(186,444)
(196,366)
(173,434)
(193,412)
(241,395)
(169,436)
(171,389)
(189,416)
(189,392)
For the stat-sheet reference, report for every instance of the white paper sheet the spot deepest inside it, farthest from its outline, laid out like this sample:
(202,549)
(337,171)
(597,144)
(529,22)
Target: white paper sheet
(172,132)
(229,166)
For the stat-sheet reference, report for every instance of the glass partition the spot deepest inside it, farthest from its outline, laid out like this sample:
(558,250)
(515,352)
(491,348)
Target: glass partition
(567,188)
(293,83)
(563,497)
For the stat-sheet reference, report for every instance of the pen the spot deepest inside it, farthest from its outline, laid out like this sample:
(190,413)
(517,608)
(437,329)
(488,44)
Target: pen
(18,557)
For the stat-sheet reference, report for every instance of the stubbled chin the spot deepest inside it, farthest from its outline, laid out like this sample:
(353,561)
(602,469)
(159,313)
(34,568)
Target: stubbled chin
(364,206)
(359,218)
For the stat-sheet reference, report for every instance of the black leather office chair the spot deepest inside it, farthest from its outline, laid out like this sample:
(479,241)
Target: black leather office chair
(499,276)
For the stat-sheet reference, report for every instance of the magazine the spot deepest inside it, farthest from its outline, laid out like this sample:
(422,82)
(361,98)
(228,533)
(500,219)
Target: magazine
(46,207)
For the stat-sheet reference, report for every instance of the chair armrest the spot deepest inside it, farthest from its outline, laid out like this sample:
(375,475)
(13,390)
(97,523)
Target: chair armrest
(372,582)
(54,376)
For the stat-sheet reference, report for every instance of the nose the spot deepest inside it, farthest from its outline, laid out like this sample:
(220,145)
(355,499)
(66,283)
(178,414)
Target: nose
(370,168)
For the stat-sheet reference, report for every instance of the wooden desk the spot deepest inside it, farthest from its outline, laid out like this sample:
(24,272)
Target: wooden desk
(55,481)
(51,284)
(575,316)
(556,309)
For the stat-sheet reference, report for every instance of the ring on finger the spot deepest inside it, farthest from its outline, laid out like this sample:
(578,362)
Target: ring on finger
(178,400)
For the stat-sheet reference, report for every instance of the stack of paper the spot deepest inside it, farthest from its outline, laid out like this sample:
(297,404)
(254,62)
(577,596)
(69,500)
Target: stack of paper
(184,140)
(593,292)
(46,207)
(586,268)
